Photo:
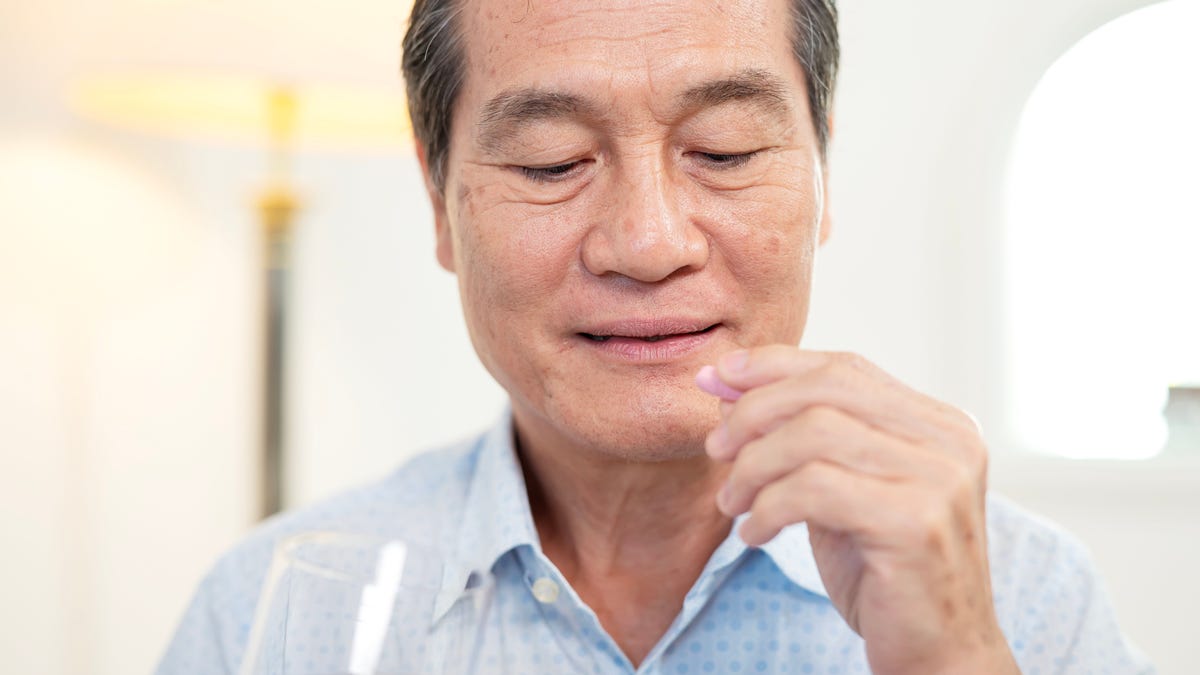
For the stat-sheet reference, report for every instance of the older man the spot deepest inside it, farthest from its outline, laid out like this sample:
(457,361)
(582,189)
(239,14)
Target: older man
(630,191)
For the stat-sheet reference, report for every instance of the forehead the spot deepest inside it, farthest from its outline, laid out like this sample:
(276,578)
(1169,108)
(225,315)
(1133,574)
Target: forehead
(620,48)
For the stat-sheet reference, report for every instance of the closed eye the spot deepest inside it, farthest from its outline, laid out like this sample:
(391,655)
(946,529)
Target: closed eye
(727,160)
(547,174)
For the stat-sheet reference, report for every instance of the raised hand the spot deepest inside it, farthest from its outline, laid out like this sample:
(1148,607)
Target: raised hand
(891,484)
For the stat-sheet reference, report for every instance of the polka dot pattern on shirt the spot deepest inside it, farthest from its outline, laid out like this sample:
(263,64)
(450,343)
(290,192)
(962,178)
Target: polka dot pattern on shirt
(751,611)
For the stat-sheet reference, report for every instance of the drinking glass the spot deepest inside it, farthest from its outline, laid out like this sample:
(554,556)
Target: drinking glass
(337,603)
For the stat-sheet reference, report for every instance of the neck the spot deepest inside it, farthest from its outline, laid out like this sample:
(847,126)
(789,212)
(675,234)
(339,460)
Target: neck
(599,514)
(605,514)
(630,537)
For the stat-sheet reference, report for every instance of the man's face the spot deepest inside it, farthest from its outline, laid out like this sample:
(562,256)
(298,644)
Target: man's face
(633,189)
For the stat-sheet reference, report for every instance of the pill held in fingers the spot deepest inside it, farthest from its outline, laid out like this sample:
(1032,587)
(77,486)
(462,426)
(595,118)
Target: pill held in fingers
(708,380)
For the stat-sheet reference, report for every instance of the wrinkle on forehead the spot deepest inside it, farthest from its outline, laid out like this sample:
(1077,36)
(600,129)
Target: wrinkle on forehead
(632,58)
(506,113)
(559,26)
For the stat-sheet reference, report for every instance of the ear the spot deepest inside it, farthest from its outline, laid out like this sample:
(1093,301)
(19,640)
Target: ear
(826,217)
(826,210)
(444,245)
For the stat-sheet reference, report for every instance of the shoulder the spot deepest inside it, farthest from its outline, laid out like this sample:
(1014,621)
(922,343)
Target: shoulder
(425,492)
(420,501)
(1022,542)
(1050,599)
(1034,562)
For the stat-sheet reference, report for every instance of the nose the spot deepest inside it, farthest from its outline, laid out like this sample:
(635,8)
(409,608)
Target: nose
(647,234)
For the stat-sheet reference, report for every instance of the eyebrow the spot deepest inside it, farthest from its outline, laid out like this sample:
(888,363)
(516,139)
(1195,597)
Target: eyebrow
(505,114)
(751,85)
(508,112)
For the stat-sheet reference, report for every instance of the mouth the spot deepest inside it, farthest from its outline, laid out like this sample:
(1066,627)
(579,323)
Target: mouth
(658,340)
(605,337)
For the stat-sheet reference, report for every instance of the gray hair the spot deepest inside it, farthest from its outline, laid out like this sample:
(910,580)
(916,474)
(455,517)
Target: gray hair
(434,64)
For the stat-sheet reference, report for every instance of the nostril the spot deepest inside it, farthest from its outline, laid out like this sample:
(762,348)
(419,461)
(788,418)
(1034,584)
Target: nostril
(648,248)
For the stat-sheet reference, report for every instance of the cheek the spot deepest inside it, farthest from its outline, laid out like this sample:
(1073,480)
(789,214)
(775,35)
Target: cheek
(512,258)
(767,242)
(768,239)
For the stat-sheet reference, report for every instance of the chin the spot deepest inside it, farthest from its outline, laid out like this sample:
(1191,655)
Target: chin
(649,425)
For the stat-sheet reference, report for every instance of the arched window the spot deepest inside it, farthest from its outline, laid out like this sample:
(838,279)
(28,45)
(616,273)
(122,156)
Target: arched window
(1103,239)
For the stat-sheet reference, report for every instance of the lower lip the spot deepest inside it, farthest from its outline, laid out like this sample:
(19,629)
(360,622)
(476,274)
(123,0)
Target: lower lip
(666,349)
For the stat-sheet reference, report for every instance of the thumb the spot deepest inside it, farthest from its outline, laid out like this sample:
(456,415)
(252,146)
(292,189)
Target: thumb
(746,369)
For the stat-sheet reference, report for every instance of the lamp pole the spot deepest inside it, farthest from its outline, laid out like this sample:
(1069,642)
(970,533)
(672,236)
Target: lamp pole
(233,108)
(277,207)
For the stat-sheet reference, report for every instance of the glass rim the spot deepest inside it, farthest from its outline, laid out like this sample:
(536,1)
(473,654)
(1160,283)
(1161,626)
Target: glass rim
(288,550)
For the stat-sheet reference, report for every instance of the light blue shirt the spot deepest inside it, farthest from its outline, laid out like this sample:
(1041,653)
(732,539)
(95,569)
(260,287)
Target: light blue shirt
(761,610)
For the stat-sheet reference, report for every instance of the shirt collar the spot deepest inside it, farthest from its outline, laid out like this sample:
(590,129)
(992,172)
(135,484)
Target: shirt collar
(497,519)
(792,553)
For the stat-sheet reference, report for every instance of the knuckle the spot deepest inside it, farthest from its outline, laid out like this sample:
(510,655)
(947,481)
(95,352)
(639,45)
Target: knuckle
(979,457)
(975,455)
(814,432)
(863,455)
(797,450)
(931,520)
(736,423)
(843,368)
(749,418)
(953,477)
(824,358)
(834,369)
(737,475)
(961,484)
(814,479)
(818,423)
(773,500)
(854,360)
(749,467)
(776,502)
(956,496)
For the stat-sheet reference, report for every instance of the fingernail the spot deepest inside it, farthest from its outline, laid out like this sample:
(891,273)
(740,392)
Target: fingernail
(715,442)
(744,531)
(735,362)
(723,497)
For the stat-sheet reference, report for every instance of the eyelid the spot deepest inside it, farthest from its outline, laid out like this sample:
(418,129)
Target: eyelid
(547,174)
(729,160)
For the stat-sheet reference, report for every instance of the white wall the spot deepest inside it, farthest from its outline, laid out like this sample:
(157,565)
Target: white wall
(127,431)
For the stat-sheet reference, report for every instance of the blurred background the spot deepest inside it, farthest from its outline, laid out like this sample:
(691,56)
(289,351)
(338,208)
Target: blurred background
(217,281)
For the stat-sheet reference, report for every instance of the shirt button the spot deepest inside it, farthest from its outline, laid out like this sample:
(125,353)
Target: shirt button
(545,591)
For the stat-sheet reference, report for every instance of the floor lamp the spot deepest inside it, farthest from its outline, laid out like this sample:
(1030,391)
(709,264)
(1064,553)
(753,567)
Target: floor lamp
(283,118)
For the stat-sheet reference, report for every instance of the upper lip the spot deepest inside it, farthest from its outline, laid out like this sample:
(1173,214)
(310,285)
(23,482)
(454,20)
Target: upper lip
(647,327)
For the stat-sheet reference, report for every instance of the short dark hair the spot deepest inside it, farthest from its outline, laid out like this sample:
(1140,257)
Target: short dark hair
(434,64)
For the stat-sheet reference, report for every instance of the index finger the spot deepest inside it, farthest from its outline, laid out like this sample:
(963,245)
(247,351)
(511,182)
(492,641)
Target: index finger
(895,404)
(748,368)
